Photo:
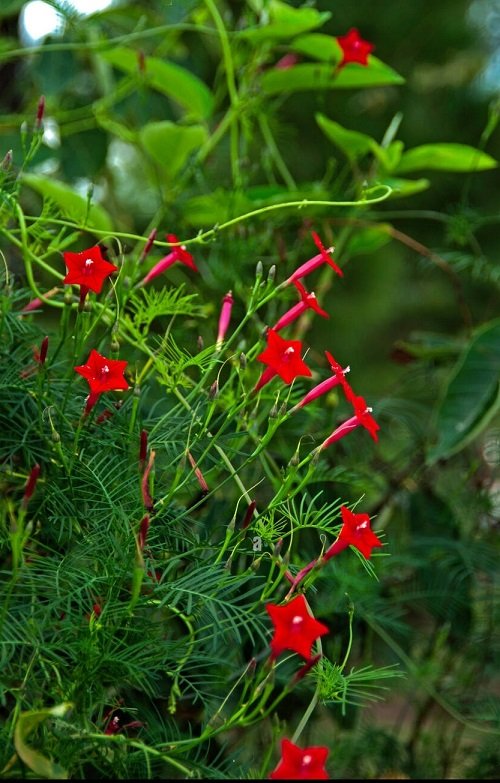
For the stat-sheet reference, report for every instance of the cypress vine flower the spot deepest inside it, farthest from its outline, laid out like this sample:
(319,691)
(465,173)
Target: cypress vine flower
(354,48)
(103,374)
(294,628)
(362,414)
(31,484)
(300,763)
(178,253)
(282,358)
(325,386)
(323,257)
(308,301)
(355,531)
(88,269)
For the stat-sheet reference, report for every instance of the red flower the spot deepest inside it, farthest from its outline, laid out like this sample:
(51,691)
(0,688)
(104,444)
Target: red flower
(294,628)
(103,374)
(282,358)
(323,257)
(354,48)
(307,301)
(324,386)
(178,253)
(362,414)
(301,763)
(88,269)
(355,531)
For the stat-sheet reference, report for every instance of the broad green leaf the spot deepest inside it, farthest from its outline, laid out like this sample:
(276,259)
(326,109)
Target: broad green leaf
(319,47)
(34,760)
(445,157)
(175,82)
(170,145)
(367,240)
(404,187)
(286,22)
(352,143)
(390,156)
(317,76)
(472,394)
(70,203)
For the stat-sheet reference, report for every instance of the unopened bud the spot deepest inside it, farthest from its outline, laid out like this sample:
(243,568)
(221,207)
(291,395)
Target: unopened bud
(40,112)
(200,342)
(31,484)
(259,270)
(243,361)
(141,61)
(294,461)
(256,564)
(143,447)
(252,665)
(271,274)
(87,306)
(43,350)
(115,346)
(7,161)
(56,437)
(68,298)
(273,413)
(214,390)
(149,244)
(277,547)
(282,409)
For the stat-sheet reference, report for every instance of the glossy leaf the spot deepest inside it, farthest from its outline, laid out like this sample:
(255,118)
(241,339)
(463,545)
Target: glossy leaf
(319,47)
(472,395)
(170,145)
(177,83)
(34,760)
(404,187)
(70,203)
(317,76)
(352,143)
(444,157)
(286,22)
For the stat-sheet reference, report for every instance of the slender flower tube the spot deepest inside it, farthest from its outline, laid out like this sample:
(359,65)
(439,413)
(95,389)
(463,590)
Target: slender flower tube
(178,253)
(308,301)
(323,257)
(225,318)
(36,304)
(325,386)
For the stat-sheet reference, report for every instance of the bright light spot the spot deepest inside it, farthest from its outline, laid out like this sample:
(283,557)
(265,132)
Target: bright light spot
(38,19)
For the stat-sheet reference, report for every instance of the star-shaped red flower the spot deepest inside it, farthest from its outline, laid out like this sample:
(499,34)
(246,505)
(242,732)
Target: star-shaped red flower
(294,628)
(300,763)
(283,356)
(361,410)
(354,48)
(357,532)
(88,268)
(103,374)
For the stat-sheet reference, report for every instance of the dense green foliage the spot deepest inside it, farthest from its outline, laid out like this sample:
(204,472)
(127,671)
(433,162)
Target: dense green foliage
(184,118)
